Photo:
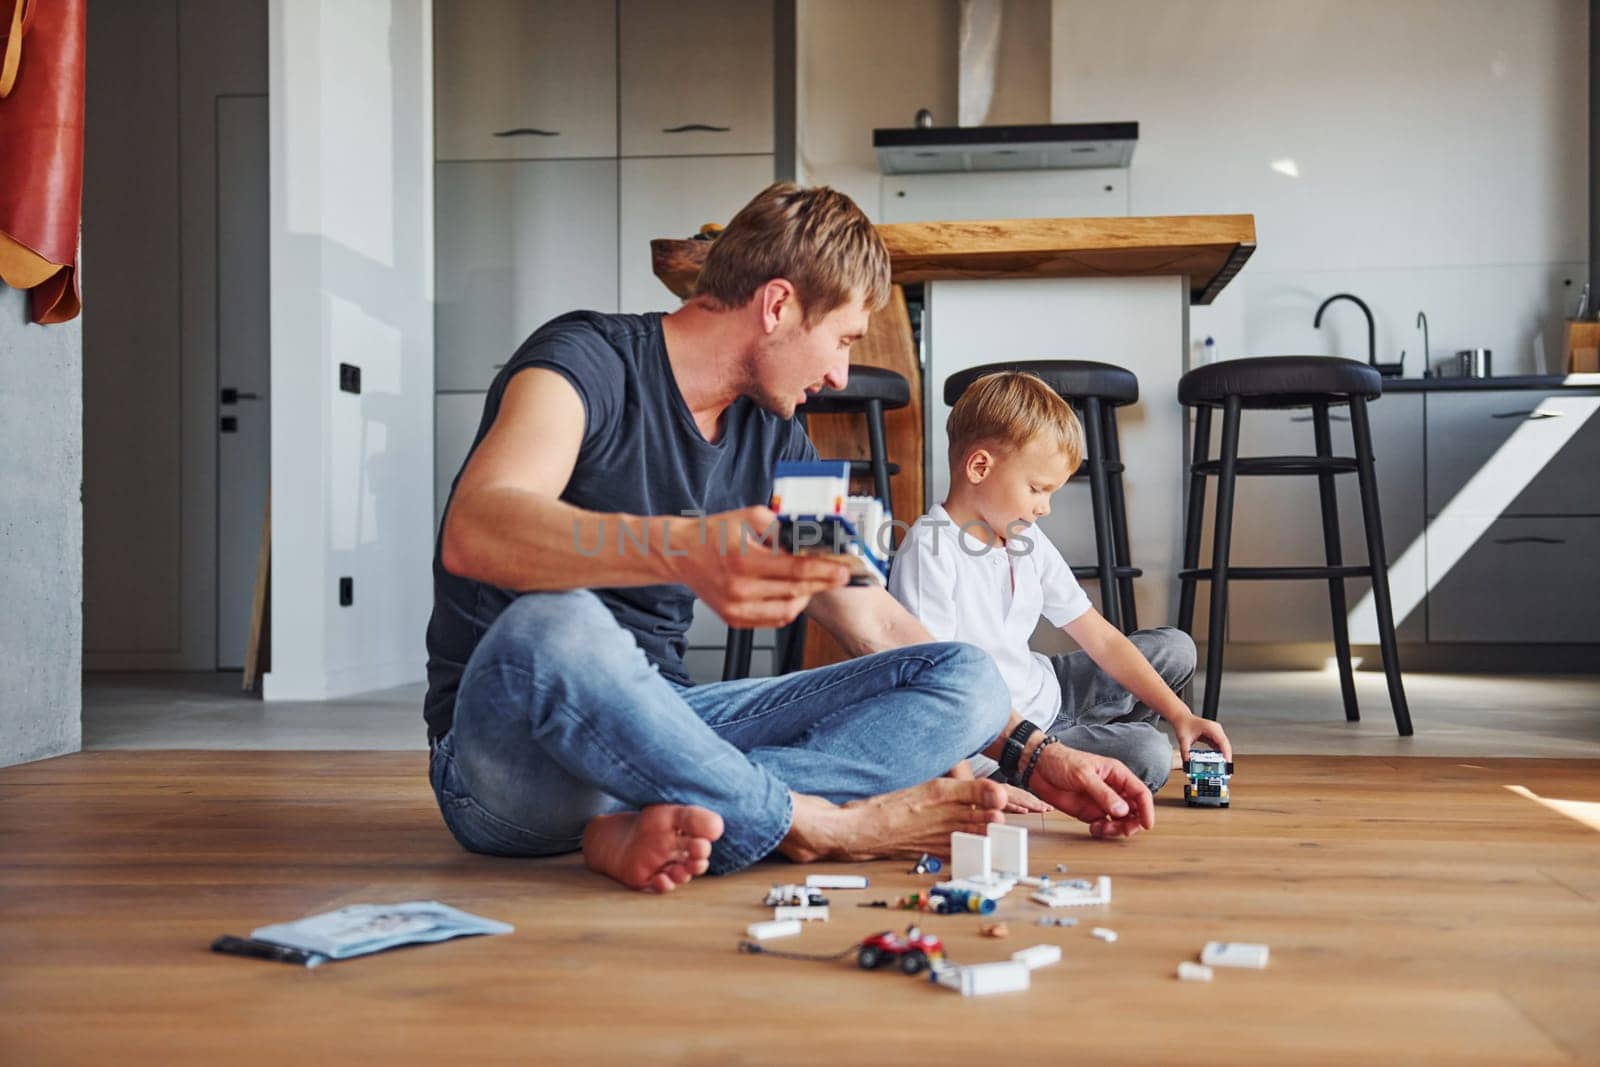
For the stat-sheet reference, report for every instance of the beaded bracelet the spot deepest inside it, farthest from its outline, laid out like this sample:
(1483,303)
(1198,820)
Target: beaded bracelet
(1033,760)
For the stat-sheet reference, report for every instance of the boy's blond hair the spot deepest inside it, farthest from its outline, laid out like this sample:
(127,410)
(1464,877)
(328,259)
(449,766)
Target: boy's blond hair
(1008,409)
(815,238)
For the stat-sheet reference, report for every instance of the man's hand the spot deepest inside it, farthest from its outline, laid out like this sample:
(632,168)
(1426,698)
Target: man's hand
(748,583)
(1094,789)
(1022,802)
(1192,728)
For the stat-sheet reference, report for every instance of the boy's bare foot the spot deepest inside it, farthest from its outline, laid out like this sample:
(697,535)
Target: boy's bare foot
(904,824)
(656,850)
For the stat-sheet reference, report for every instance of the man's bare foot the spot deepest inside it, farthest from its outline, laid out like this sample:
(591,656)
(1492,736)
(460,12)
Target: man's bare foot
(657,849)
(904,824)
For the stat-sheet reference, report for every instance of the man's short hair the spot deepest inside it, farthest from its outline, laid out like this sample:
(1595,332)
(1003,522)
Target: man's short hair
(815,238)
(1006,410)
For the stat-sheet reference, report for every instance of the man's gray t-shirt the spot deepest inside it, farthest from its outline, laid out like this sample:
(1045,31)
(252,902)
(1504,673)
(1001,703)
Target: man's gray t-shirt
(642,454)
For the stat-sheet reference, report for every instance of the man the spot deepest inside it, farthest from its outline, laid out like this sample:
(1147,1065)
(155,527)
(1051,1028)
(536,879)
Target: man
(558,708)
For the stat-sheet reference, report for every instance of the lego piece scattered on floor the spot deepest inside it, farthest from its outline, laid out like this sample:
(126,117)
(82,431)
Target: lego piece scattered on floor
(1104,934)
(983,979)
(1061,868)
(928,865)
(794,894)
(776,928)
(803,912)
(1037,956)
(1009,850)
(1193,972)
(1075,895)
(836,881)
(1234,954)
(1057,920)
(995,930)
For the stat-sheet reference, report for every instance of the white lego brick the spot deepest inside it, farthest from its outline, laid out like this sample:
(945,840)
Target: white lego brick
(1038,956)
(836,881)
(983,979)
(1065,896)
(803,912)
(776,928)
(1193,972)
(1035,881)
(969,856)
(1104,934)
(1234,954)
(1009,849)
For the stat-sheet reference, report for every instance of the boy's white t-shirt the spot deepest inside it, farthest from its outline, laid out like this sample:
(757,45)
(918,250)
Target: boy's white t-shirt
(992,597)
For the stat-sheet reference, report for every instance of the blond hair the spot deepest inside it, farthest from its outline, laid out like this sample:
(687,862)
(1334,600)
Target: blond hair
(1008,409)
(817,239)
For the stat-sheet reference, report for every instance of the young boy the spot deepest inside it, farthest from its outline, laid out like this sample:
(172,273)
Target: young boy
(978,570)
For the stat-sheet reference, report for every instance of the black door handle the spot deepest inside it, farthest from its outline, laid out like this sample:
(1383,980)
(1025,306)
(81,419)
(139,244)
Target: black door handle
(527,131)
(233,396)
(696,127)
(1530,540)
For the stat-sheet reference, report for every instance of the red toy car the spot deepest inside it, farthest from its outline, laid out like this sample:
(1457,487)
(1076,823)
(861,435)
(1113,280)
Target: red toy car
(914,951)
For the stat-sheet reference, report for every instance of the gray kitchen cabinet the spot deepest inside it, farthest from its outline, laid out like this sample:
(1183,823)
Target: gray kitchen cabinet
(525,79)
(517,244)
(696,77)
(455,424)
(1514,580)
(1514,452)
(1278,521)
(674,197)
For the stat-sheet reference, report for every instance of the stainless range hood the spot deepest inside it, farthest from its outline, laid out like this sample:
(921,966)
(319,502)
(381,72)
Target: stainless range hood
(1053,146)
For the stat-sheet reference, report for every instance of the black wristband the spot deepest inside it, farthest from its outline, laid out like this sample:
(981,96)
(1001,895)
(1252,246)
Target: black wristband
(1016,743)
(1033,761)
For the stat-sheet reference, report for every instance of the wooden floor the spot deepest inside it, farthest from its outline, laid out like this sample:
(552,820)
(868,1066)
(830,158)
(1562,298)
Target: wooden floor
(1418,912)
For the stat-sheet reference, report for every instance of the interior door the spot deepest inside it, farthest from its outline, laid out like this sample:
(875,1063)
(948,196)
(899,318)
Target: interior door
(243,414)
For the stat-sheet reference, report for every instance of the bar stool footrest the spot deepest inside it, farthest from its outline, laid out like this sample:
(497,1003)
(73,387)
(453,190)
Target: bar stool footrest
(1280,465)
(1266,574)
(862,468)
(1086,570)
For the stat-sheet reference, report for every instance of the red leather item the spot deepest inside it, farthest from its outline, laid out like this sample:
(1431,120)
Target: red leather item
(41,154)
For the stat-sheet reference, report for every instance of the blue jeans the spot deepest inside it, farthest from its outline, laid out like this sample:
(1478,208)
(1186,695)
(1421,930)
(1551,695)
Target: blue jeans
(560,717)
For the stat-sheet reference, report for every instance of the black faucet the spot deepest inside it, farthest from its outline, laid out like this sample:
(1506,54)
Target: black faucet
(1372,332)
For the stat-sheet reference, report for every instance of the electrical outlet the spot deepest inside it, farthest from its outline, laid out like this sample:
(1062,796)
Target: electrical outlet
(347,592)
(350,378)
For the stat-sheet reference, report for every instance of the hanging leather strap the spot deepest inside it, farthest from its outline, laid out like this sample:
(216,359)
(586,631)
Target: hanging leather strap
(21,15)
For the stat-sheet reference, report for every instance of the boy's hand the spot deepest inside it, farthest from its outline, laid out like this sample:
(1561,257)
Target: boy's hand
(1192,728)
(1094,789)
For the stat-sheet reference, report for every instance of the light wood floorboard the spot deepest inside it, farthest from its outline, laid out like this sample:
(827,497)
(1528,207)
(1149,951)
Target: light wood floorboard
(1418,912)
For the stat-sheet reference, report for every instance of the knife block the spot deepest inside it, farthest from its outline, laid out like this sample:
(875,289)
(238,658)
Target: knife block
(1583,347)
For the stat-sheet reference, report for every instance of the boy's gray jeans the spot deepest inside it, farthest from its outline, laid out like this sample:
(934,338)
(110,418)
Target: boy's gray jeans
(1098,715)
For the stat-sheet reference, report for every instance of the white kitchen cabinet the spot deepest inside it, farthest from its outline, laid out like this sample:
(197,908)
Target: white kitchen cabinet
(696,77)
(1278,521)
(1514,580)
(517,244)
(525,79)
(455,426)
(674,197)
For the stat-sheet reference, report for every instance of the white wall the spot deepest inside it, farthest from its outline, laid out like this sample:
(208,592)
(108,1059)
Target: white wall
(352,222)
(1440,146)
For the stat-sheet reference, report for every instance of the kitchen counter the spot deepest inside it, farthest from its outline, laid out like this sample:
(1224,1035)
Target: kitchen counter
(1522,381)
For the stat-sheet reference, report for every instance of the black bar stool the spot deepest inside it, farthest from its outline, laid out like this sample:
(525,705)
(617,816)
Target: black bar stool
(1273,382)
(870,391)
(1096,390)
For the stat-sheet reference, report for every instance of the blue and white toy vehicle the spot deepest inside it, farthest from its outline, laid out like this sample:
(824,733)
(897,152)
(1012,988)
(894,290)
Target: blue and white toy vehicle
(1208,773)
(817,516)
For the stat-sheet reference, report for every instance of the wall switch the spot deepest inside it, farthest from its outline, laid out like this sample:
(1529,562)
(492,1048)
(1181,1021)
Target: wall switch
(350,377)
(347,592)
